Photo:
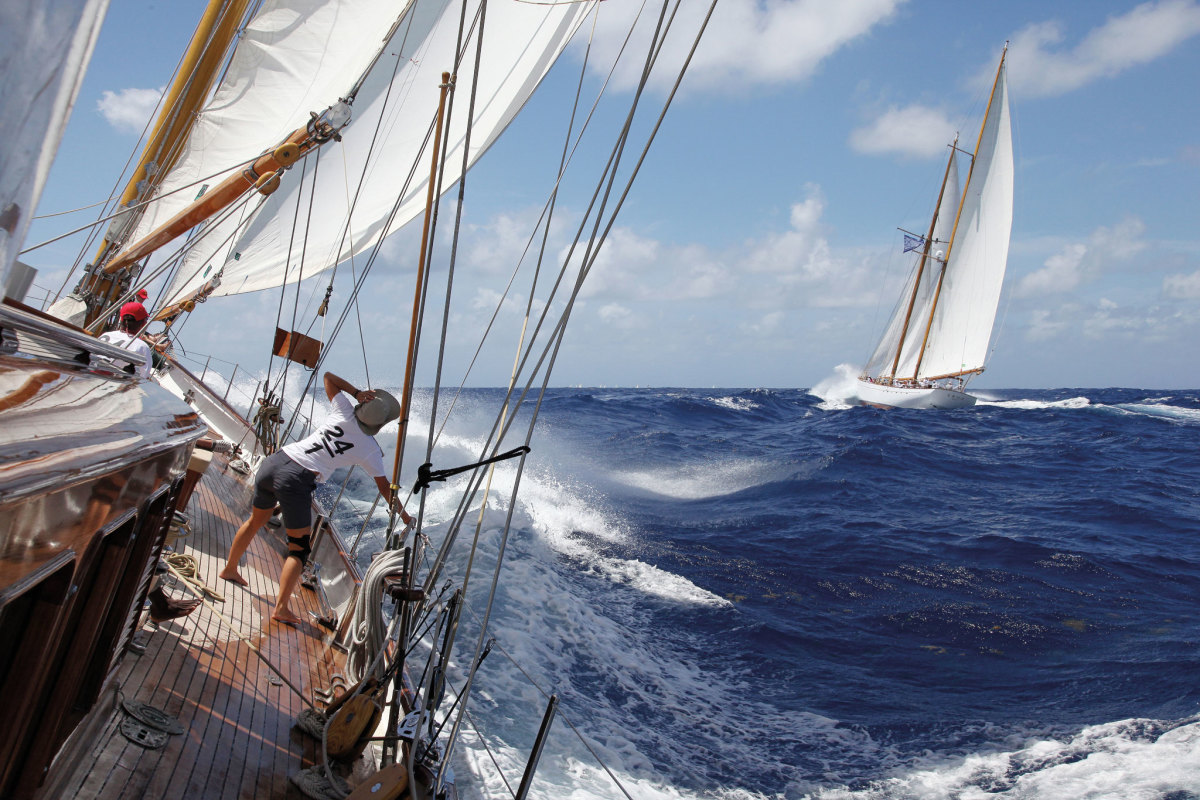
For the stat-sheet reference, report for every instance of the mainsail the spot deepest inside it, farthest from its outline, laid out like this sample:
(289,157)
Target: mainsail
(346,200)
(970,294)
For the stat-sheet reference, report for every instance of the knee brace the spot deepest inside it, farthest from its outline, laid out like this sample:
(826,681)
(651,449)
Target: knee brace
(299,547)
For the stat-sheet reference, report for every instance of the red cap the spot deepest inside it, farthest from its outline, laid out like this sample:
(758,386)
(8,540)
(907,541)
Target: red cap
(141,294)
(134,309)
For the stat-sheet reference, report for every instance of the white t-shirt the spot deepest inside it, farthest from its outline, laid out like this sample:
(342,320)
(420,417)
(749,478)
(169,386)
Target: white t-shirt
(338,442)
(134,345)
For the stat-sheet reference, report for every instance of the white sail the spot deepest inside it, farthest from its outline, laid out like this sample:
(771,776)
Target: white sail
(882,360)
(250,250)
(970,295)
(44,48)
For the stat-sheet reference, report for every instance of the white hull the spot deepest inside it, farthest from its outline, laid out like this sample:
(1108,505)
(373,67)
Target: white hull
(884,396)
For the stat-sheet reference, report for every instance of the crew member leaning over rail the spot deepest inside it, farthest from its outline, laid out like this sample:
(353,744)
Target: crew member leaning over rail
(290,476)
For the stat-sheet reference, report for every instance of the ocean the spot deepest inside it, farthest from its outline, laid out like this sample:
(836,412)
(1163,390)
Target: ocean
(768,593)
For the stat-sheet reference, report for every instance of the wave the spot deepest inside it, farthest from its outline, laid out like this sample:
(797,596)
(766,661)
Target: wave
(1132,759)
(1037,405)
(838,391)
(1152,408)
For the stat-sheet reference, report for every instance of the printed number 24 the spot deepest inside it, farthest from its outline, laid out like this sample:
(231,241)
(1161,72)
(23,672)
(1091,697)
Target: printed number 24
(328,435)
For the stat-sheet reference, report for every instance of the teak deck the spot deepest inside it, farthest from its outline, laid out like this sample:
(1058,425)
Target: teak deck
(237,715)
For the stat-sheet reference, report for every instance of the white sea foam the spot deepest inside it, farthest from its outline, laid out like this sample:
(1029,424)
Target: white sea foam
(735,403)
(1115,760)
(1162,411)
(838,391)
(1036,405)
(712,478)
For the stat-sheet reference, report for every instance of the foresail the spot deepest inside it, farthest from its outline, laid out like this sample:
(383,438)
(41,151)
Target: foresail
(884,357)
(367,170)
(970,295)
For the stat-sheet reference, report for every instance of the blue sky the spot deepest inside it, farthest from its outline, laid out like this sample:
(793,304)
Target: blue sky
(759,247)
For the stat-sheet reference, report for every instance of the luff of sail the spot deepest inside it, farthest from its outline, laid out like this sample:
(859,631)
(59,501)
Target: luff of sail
(974,274)
(250,249)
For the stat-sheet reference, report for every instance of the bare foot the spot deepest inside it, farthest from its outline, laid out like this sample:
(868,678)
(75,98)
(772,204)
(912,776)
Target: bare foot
(286,617)
(232,576)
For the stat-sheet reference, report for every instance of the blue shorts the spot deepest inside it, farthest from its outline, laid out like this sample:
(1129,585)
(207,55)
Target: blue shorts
(283,481)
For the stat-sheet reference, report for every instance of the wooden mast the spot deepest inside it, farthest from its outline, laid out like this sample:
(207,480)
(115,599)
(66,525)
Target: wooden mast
(924,258)
(430,199)
(966,187)
(197,72)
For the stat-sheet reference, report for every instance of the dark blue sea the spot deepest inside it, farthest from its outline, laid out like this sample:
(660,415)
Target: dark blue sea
(765,593)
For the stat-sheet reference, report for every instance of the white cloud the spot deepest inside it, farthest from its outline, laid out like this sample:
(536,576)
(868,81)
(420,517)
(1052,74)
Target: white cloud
(616,315)
(129,110)
(916,130)
(1044,327)
(1147,32)
(1080,262)
(1062,273)
(745,42)
(1182,287)
(766,325)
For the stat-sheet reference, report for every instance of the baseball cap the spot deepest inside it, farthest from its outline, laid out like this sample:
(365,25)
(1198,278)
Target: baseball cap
(141,294)
(377,412)
(134,309)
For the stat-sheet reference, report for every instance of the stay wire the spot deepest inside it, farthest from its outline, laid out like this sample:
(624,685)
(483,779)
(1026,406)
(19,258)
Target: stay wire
(659,37)
(547,213)
(589,261)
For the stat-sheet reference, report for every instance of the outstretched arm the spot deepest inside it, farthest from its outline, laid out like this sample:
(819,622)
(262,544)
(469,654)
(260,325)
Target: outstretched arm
(389,494)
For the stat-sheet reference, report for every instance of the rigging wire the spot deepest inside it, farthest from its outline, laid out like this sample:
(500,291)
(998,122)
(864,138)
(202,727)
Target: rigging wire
(591,253)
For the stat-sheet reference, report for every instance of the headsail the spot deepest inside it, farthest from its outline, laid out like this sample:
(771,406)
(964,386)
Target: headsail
(251,110)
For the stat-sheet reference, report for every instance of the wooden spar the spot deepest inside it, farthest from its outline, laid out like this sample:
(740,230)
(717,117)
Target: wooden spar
(961,201)
(196,74)
(924,258)
(958,374)
(262,175)
(430,198)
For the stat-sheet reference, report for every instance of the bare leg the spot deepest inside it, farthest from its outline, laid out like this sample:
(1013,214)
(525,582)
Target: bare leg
(289,579)
(241,542)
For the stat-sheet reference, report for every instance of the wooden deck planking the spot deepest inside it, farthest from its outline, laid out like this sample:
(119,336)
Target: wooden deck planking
(238,740)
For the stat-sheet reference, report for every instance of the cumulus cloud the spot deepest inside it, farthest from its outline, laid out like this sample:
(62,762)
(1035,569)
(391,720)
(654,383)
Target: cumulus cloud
(744,43)
(917,131)
(1080,262)
(616,315)
(1040,66)
(128,110)
(1182,287)
(1044,326)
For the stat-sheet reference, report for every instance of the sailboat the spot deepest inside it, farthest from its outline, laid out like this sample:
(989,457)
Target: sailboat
(296,136)
(938,337)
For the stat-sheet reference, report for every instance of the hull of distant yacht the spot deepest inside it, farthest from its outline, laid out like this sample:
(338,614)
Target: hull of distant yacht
(883,395)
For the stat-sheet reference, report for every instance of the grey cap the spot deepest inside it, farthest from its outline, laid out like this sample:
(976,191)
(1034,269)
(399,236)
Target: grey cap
(374,414)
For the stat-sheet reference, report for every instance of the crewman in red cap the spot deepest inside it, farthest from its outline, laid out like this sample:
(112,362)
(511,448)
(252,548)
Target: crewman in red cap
(133,319)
